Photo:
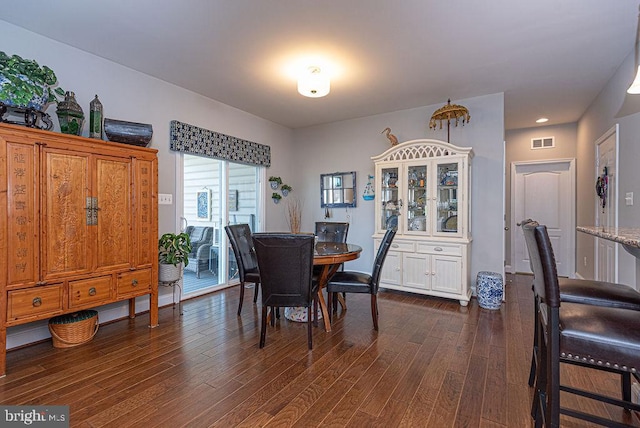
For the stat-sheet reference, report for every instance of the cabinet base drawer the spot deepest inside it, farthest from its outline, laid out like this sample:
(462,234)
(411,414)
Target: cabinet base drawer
(397,245)
(34,302)
(445,249)
(134,283)
(90,291)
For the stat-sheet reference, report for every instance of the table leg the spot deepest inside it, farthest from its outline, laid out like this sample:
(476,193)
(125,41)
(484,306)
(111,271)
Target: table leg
(327,272)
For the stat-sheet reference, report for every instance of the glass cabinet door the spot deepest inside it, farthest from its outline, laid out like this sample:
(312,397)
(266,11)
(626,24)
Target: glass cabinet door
(447,197)
(417,198)
(391,204)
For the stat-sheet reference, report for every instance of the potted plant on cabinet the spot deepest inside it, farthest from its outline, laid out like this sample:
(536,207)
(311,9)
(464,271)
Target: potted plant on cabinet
(173,251)
(275,182)
(276,197)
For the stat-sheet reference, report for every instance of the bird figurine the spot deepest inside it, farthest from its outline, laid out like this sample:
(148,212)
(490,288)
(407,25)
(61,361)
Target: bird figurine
(392,138)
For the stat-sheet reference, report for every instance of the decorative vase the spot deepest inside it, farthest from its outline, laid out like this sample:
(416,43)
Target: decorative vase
(274,184)
(25,97)
(95,118)
(70,115)
(276,200)
(285,192)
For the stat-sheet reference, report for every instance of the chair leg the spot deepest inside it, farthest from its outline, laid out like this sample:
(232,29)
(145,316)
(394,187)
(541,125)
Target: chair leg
(241,298)
(273,316)
(256,285)
(263,326)
(535,353)
(626,386)
(309,332)
(315,312)
(329,305)
(374,311)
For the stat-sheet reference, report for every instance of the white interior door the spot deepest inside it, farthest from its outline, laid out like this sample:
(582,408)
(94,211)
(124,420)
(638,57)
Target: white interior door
(606,208)
(544,191)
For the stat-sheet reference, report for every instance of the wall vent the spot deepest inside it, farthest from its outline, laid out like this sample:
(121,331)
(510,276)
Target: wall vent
(543,143)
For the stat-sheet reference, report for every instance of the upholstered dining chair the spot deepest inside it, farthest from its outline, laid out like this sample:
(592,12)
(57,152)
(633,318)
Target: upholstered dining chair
(242,245)
(331,231)
(285,262)
(584,291)
(597,337)
(359,282)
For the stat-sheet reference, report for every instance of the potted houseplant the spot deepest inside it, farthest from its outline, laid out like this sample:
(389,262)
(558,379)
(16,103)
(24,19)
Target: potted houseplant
(276,197)
(173,252)
(26,84)
(285,189)
(275,182)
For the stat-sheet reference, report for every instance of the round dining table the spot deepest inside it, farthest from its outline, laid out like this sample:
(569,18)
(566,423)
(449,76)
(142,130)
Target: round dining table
(330,255)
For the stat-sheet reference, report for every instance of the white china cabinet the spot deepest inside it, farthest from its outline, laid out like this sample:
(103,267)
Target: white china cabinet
(422,188)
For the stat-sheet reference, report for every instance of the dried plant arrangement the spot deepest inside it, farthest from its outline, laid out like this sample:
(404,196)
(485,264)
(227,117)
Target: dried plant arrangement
(294,214)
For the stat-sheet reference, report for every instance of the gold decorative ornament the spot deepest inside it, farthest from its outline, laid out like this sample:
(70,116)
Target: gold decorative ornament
(448,113)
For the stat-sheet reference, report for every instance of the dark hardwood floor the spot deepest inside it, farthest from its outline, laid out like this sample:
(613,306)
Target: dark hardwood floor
(432,364)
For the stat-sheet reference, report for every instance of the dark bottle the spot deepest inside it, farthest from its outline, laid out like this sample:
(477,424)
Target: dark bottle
(95,118)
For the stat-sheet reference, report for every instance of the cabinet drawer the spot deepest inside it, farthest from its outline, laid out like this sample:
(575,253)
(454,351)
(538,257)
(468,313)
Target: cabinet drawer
(34,301)
(134,283)
(448,249)
(398,245)
(89,291)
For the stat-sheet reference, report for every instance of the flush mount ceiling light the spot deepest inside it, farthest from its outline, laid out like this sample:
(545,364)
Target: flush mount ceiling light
(542,120)
(313,83)
(635,86)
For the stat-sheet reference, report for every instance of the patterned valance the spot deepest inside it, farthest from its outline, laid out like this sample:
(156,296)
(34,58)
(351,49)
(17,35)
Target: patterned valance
(199,141)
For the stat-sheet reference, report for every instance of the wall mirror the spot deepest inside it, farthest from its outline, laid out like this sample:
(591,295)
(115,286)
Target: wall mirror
(338,190)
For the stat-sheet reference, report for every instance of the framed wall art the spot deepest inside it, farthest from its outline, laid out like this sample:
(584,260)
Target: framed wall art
(203,207)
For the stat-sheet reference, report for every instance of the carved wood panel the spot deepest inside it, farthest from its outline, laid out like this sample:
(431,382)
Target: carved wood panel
(144,213)
(113,191)
(22,230)
(66,235)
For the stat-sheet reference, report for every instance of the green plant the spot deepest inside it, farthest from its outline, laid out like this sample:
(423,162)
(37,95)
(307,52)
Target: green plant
(286,187)
(27,84)
(276,196)
(276,179)
(174,249)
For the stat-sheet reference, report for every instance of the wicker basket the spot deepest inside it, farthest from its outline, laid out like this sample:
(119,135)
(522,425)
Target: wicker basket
(73,329)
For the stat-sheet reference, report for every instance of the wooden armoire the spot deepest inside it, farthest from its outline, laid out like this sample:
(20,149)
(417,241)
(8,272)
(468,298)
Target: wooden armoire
(78,226)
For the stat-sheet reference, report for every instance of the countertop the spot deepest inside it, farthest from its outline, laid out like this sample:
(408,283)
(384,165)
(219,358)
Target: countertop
(624,235)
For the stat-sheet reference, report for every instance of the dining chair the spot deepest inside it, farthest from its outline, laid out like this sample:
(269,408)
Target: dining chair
(285,262)
(331,231)
(584,291)
(359,282)
(328,231)
(597,337)
(242,245)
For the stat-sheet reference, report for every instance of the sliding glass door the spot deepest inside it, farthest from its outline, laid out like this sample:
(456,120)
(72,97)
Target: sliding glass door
(215,193)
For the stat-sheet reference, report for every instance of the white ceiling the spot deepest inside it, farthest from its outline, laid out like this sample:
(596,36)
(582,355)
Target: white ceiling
(550,57)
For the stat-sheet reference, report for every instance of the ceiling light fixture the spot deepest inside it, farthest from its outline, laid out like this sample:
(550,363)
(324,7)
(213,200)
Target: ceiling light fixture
(313,83)
(542,120)
(635,86)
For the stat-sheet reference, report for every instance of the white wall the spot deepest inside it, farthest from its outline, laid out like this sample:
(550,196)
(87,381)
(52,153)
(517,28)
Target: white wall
(349,145)
(129,95)
(599,118)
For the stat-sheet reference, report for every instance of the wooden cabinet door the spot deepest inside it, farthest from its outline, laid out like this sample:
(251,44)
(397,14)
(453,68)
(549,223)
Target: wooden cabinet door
(66,238)
(113,229)
(22,205)
(448,274)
